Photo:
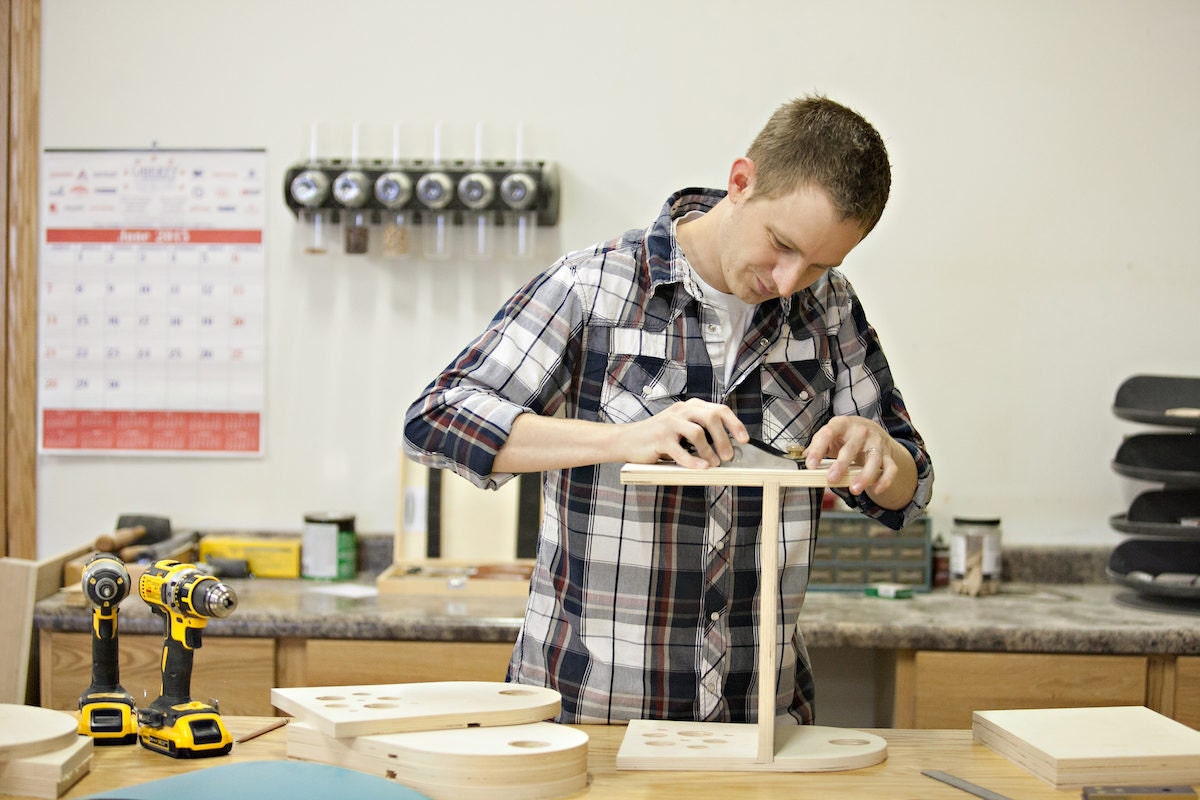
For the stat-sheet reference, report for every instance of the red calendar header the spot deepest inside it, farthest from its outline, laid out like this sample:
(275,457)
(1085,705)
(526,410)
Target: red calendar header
(152,236)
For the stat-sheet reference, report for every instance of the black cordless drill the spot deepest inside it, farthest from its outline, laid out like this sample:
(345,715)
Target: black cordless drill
(106,710)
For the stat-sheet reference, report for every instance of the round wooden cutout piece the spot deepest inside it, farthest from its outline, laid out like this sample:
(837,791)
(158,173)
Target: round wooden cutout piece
(29,730)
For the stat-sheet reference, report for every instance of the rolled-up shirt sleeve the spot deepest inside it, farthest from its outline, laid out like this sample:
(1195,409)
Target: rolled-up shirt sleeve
(865,388)
(524,361)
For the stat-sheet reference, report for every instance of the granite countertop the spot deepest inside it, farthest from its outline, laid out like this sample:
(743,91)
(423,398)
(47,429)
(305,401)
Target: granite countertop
(1033,617)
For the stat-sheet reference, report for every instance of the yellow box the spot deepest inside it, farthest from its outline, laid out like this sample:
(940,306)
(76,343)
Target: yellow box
(267,556)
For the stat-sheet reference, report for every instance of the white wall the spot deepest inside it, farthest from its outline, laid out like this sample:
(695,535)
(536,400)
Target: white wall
(1040,244)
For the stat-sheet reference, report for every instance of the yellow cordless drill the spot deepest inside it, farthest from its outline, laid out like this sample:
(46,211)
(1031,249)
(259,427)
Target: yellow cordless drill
(185,598)
(106,711)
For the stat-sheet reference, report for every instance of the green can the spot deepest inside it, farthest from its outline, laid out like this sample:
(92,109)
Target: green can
(329,547)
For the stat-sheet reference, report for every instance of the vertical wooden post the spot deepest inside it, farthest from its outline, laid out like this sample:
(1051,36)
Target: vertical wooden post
(768,610)
(18,463)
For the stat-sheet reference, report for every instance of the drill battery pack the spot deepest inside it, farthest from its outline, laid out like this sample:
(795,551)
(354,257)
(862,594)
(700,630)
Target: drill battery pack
(111,721)
(191,730)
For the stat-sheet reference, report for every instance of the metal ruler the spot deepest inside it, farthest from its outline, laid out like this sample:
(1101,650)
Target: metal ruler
(966,786)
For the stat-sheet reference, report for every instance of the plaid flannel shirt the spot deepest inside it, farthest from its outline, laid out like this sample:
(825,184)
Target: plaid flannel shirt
(644,600)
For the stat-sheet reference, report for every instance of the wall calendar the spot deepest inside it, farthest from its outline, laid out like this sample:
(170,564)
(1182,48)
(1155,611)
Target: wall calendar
(151,302)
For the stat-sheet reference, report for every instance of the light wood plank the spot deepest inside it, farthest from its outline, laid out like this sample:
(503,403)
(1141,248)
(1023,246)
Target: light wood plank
(18,584)
(768,610)
(1075,747)
(5,78)
(675,475)
(20,472)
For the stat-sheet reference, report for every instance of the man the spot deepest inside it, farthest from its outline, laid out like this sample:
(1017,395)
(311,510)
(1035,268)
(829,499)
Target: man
(725,319)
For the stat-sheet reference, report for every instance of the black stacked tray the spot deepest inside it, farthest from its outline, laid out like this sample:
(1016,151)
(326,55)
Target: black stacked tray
(1159,566)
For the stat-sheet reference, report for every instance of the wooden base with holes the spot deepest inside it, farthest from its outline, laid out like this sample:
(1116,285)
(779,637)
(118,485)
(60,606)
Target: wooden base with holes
(342,711)
(734,746)
(453,740)
(742,746)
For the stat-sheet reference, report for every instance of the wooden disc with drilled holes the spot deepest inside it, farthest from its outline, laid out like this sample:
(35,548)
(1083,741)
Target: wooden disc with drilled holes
(29,730)
(401,707)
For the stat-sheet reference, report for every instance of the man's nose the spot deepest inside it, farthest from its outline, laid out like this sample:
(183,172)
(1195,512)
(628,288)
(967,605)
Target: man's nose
(791,275)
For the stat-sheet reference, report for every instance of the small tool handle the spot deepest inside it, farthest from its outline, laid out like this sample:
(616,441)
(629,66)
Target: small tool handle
(106,676)
(120,538)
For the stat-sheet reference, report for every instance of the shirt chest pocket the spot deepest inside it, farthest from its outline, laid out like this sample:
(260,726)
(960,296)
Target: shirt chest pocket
(796,398)
(639,386)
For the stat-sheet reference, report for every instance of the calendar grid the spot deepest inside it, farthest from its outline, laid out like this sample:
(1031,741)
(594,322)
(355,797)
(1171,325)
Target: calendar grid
(152,302)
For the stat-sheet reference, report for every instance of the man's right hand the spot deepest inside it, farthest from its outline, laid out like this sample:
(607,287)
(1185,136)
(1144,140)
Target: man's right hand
(693,433)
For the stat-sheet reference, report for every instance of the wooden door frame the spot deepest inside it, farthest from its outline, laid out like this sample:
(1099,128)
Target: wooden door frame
(21,37)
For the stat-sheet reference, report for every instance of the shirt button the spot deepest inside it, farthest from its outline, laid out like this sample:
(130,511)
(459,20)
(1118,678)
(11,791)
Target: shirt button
(763,343)
(804,395)
(712,328)
(714,616)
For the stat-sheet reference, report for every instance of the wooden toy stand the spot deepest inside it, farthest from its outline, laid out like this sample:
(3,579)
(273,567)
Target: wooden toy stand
(660,745)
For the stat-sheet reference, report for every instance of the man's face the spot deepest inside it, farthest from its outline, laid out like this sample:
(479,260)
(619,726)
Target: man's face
(774,247)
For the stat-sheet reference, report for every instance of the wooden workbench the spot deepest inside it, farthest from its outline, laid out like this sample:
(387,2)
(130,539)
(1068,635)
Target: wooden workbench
(899,776)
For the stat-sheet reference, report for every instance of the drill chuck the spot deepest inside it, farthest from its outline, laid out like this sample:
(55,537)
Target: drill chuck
(105,581)
(214,600)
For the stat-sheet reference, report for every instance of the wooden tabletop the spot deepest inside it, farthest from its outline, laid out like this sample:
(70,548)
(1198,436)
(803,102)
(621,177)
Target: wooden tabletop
(909,752)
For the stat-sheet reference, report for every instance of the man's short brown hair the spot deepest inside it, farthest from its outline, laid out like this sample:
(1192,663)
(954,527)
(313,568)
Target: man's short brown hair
(813,140)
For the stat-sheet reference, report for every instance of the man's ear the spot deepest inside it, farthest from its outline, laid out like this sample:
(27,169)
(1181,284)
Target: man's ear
(741,179)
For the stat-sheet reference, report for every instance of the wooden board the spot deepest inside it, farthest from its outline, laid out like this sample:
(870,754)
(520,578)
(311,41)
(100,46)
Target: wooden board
(41,751)
(22,584)
(675,475)
(537,761)
(734,746)
(438,576)
(18,586)
(1073,747)
(342,711)
(47,774)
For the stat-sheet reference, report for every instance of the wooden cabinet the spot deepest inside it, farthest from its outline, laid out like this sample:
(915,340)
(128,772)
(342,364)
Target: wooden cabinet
(337,662)
(1187,690)
(240,672)
(935,689)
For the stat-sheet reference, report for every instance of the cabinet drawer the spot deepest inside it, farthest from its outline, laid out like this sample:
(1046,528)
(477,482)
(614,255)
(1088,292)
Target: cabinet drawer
(937,689)
(340,662)
(236,672)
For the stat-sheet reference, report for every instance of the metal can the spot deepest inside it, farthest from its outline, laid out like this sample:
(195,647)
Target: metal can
(329,546)
(975,560)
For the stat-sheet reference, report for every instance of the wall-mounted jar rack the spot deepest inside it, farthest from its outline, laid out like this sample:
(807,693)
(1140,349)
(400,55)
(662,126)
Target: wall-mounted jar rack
(458,190)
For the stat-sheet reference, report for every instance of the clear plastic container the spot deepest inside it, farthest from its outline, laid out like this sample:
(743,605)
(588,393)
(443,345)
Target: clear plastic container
(975,555)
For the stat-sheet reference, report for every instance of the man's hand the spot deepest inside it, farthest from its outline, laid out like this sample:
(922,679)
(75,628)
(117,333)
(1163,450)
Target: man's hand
(888,475)
(693,433)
